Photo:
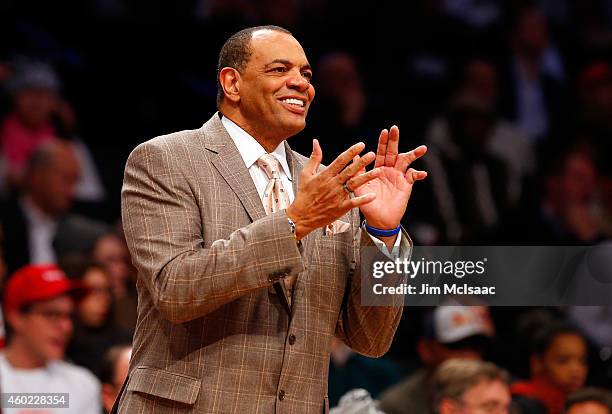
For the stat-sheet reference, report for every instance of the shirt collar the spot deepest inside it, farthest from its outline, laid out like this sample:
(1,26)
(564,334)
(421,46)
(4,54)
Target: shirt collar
(34,215)
(250,150)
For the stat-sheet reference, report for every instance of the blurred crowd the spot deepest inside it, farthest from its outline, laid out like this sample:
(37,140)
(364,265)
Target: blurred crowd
(513,99)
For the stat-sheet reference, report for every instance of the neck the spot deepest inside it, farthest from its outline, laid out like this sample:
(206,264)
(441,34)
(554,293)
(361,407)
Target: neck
(268,142)
(30,201)
(21,356)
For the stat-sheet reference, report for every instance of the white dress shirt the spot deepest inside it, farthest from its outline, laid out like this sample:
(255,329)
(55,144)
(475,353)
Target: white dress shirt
(41,232)
(250,150)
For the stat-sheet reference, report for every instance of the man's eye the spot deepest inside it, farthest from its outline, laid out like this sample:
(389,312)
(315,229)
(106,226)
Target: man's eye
(307,75)
(280,69)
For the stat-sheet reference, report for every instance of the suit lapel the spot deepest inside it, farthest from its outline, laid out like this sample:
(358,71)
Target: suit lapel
(229,163)
(295,165)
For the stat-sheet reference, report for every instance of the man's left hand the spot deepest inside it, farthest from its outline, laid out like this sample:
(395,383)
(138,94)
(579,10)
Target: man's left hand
(394,185)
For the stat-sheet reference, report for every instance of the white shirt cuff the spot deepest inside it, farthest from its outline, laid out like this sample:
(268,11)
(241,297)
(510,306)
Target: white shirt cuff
(383,247)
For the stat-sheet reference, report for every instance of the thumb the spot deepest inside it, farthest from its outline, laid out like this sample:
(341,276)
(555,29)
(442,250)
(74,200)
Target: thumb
(315,158)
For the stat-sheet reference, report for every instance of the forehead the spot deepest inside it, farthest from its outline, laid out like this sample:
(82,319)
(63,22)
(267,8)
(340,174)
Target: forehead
(568,342)
(269,45)
(63,302)
(488,390)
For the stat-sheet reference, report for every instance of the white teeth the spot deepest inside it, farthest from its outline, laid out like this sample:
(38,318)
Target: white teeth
(293,101)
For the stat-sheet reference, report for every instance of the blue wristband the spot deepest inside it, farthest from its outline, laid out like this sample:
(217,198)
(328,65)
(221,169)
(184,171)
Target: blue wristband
(380,232)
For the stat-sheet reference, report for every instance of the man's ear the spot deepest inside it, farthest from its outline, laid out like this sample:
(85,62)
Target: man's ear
(229,78)
(14,319)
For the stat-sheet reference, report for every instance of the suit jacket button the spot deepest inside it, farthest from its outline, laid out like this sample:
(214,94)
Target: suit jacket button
(292,339)
(281,395)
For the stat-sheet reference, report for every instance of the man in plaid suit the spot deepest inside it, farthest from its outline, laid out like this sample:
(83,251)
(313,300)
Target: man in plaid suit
(239,302)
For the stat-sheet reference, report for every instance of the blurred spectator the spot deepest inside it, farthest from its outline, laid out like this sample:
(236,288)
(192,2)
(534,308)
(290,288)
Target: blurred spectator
(111,252)
(39,309)
(39,116)
(589,401)
(506,141)
(2,274)
(535,94)
(32,221)
(595,99)
(470,387)
(479,163)
(95,330)
(558,366)
(469,186)
(341,114)
(348,370)
(450,332)
(594,91)
(113,373)
(567,210)
(357,401)
(34,90)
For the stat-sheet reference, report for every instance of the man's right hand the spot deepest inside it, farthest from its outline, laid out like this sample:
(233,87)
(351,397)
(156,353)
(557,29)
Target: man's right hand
(321,198)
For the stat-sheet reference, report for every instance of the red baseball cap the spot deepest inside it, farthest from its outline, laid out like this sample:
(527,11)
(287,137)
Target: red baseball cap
(34,283)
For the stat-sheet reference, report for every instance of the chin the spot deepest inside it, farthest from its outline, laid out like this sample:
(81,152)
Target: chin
(295,128)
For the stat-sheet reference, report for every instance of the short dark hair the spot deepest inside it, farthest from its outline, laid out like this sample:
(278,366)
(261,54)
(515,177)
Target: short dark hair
(545,335)
(236,52)
(596,395)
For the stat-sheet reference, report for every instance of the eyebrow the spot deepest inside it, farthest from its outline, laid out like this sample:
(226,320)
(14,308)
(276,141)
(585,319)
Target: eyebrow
(288,63)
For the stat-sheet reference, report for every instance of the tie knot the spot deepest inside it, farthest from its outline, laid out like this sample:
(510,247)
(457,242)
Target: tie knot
(270,165)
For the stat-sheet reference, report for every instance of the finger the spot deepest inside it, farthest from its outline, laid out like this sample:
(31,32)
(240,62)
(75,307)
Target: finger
(356,166)
(363,170)
(343,159)
(413,175)
(359,180)
(313,163)
(392,147)
(351,203)
(381,150)
(407,158)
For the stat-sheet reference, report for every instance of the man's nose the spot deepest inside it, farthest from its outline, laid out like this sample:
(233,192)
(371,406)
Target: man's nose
(298,82)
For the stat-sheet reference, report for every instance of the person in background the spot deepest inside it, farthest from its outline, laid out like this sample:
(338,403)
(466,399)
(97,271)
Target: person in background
(566,209)
(470,387)
(34,89)
(113,372)
(95,330)
(40,214)
(534,85)
(594,93)
(589,401)
(39,115)
(2,273)
(111,252)
(30,221)
(343,110)
(39,307)
(451,332)
(558,366)
(349,370)
(481,162)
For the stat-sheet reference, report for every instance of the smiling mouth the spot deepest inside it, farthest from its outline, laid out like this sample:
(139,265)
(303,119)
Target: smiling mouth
(296,103)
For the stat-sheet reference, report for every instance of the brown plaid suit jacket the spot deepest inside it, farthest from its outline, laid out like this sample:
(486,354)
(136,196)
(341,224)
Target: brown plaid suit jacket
(211,336)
